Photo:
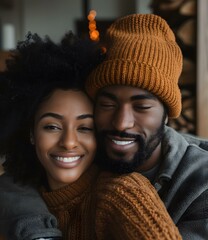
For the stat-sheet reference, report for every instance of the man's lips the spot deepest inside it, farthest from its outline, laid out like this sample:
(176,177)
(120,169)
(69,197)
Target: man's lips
(122,143)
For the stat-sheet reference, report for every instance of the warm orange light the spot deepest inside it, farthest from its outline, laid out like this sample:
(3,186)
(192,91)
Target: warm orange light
(92,25)
(93,12)
(90,17)
(104,50)
(94,34)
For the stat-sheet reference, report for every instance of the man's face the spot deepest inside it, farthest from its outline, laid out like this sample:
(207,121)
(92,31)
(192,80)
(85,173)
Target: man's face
(130,124)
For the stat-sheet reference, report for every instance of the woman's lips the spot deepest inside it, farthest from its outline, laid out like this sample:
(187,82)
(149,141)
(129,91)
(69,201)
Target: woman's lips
(67,159)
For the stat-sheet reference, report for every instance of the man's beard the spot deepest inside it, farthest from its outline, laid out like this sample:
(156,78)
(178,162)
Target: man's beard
(127,166)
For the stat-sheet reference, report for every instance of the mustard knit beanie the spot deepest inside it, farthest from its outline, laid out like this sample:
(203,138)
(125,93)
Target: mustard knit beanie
(141,52)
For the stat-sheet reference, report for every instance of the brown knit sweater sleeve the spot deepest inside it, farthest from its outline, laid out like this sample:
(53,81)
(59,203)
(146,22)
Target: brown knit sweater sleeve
(129,208)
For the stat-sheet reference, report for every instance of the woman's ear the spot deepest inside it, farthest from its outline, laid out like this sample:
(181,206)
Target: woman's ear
(32,141)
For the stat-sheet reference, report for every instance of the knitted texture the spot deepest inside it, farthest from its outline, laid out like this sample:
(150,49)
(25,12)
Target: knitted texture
(129,208)
(107,207)
(141,52)
(73,207)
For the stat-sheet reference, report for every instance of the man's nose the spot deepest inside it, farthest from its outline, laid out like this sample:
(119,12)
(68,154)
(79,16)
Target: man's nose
(123,118)
(69,140)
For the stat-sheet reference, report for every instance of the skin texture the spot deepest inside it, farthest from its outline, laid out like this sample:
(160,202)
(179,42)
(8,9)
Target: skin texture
(64,131)
(130,124)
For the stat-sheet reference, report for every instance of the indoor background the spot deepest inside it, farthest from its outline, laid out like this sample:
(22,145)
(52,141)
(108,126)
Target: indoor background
(187,18)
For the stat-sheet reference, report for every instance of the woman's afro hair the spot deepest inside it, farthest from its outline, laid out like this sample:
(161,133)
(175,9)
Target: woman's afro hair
(37,66)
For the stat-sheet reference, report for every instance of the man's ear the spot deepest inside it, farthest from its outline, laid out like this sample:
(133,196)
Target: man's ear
(166,119)
(165,116)
(32,141)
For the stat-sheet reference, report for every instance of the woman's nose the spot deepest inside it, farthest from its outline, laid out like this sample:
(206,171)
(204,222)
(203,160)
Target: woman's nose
(69,140)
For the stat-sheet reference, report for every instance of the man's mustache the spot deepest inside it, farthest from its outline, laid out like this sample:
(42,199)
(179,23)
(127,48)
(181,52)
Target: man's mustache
(122,134)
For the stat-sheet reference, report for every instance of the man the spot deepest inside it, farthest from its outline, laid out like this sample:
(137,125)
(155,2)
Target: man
(135,91)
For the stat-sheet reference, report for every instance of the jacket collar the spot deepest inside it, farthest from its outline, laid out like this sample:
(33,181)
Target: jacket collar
(174,146)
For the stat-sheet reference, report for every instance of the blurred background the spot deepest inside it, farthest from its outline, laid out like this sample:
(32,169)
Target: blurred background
(90,19)
(54,17)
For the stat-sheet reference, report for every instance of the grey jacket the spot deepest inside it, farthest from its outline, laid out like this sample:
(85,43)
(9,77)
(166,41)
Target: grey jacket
(182,183)
(23,213)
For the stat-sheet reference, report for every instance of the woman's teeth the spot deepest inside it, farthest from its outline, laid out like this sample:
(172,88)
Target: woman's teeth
(67,159)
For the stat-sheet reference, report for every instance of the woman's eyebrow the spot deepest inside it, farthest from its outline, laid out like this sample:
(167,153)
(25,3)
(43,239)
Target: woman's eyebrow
(58,116)
(50,114)
(84,116)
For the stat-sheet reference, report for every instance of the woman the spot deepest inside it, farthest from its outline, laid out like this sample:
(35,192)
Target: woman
(47,136)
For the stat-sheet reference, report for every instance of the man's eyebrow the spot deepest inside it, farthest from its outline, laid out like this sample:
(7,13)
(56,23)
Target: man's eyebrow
(108,95)
(58,116)
(143,96)
(133,98)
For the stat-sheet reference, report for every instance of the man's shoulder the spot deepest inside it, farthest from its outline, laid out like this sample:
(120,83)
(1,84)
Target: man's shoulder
(186,160)
(184,139)
(193,139)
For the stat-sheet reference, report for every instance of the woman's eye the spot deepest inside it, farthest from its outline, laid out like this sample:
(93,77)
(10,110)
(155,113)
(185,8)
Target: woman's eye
(51,127)
(86,129)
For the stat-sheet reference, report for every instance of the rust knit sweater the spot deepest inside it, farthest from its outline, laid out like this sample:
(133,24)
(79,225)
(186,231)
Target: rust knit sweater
(104,206)
(73,207)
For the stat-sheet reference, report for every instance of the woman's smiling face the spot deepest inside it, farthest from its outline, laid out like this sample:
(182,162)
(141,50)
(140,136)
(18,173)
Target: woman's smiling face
(64,136)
